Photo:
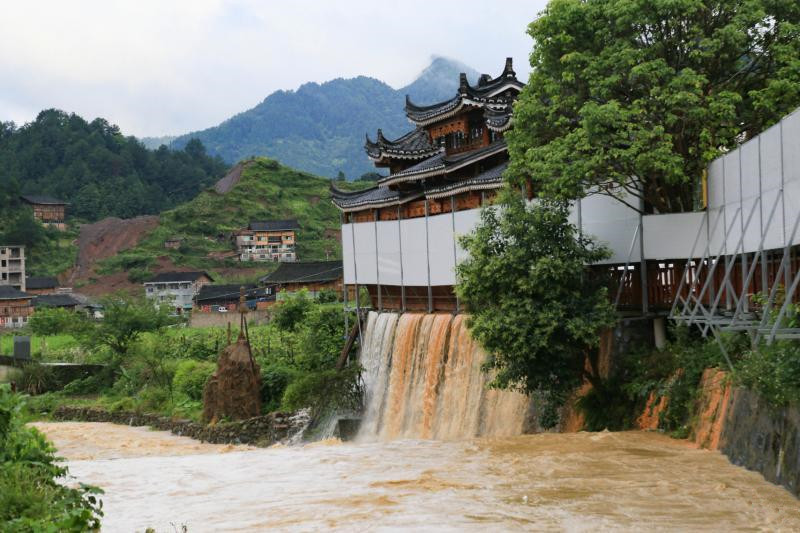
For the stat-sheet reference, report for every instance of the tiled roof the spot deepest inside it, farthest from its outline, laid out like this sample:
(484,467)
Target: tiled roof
(443,164)
(10,293)
(413,145)
(499,92)
(370,198)
(304,272)
(41,282)
(42,200)
(274,225)
(177,277)
(498,119)
(55,300)
(489,179)
(230,292)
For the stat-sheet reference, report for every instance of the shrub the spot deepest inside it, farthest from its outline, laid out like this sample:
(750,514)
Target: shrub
(292,310)
(322,338)
(325,390)
(773,371)
(275,378)
(37,379)
(191,376)
(52,321)
(31,497)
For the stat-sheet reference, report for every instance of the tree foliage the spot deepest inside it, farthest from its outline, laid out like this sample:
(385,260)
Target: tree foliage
(31,495)
(533,305)
(124,321)
(96,169)
(643,94)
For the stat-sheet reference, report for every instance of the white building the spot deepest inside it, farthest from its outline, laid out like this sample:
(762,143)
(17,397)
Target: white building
(177,289)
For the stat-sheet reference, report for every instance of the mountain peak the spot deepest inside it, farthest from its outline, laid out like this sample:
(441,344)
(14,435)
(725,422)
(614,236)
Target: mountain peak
(438,81)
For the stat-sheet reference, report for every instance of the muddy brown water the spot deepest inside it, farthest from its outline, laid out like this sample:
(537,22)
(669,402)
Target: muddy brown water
(629,481)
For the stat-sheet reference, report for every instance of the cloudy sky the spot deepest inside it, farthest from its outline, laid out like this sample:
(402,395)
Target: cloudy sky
(158,67)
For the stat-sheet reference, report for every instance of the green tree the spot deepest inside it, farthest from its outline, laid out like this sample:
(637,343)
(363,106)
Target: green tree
(533,305)
(290,312)
(124,321)
(643,94)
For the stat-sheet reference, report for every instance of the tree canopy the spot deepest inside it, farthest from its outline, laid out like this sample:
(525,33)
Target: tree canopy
(533,305)
(95,168)
(642,94)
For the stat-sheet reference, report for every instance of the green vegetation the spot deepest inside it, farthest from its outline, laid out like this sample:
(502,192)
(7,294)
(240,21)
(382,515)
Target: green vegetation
(644,94)
(267,190)
(773,371)
(533,304)
(157,369)
(31,495)
(319,128)
(96,169)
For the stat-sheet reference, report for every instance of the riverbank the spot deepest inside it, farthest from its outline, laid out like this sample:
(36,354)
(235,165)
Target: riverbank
(581,481)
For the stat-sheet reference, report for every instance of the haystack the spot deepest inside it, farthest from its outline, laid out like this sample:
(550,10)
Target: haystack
(234,390)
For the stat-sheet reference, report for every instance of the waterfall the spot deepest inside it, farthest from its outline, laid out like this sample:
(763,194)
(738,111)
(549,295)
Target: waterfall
(423,380)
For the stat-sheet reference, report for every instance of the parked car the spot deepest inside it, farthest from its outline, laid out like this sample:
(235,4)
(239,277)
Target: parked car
(223,309)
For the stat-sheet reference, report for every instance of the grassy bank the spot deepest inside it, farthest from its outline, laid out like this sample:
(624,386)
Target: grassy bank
(164,370)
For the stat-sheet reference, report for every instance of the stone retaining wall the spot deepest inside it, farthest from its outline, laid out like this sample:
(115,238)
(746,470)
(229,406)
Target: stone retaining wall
(261,431)
(753,434)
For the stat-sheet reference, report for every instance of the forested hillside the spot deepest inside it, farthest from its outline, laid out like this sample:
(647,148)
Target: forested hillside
(97,169)
(319,128)
(266,190)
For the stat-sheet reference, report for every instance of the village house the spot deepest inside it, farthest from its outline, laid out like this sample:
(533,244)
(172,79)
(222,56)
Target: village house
(47,210)
(316,276)
(271,240)
(224,298)
(61,301)
(177,289)
(15,307)
(12,267)
(41,285)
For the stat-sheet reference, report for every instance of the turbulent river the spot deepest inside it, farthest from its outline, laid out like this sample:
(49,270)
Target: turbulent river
(562,482)
(437,450)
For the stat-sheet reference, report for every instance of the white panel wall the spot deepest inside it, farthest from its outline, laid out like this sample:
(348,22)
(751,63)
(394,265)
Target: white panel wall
(612,223)
(465,223)
(440,243)
(770,148)
(791,172)
(672,236)
(389,252)
(366,266)
(348,260)
(748,179)
(750,171)
(415,262)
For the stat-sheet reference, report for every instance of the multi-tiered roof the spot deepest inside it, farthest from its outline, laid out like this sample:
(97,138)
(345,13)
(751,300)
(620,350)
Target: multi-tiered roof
(456,146)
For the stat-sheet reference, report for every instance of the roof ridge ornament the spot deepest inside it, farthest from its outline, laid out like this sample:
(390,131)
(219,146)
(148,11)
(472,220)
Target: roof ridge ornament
(508,71)
(462,83)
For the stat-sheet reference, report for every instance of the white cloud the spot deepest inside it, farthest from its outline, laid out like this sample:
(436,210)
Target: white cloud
(157,67)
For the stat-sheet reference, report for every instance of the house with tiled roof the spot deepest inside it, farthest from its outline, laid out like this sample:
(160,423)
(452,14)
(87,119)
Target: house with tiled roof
(176,289)
(15,307)
(269,240)
(314,276)
(48,210)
